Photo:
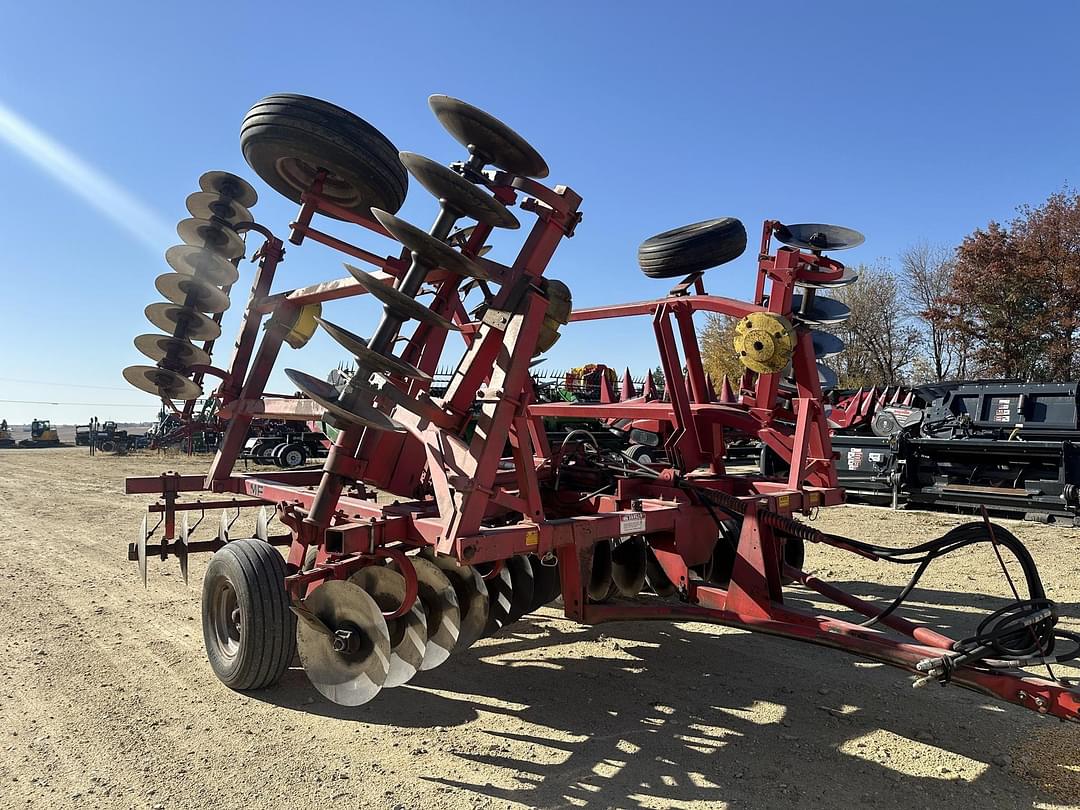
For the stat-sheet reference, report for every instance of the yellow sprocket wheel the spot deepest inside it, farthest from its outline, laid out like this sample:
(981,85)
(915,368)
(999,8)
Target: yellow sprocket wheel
(764,342)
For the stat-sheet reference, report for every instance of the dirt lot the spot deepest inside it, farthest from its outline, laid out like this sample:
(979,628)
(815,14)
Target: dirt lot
(106,699)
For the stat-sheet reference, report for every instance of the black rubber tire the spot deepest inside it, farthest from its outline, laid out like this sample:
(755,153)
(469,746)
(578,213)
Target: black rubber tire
(255,572)
(286,456)
(692,248)
(639,453)
(285,132)
(107,446)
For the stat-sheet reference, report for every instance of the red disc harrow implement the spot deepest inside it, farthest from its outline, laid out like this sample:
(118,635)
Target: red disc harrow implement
(486,520)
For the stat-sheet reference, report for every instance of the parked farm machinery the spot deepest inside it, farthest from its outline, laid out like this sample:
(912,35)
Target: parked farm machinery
(1011,447)
(371,592)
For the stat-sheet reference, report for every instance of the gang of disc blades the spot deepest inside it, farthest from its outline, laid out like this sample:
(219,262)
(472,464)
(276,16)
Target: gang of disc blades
(202,262)
(353,677)
(192,291)
(458,193)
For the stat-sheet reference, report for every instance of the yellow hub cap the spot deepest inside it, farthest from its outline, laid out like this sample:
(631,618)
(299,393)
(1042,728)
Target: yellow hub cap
(764,342)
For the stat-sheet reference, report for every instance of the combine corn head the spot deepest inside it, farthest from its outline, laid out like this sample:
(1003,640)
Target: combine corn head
(489,520)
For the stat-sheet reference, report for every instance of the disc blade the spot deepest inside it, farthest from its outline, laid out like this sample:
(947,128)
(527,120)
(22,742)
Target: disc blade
(806,279)
(600,582)
(183,322)
(458,193)
(826,344)
(655,577)
(628,562)
(357,346)
(229,185)
(546,583)
(400,304)
(408,633)
(422,404)
(208,204)
(489,137)
(813,236)
(211,235)
(441,608)
(427,247)
(500,592)
(140,547)
(826,377)
(192,291)
(327,396)
(354,676)
(524,586)
(161,382)
(206,264)
(820,311)
(182,547)
(472,597)
(262,529)
(183,352)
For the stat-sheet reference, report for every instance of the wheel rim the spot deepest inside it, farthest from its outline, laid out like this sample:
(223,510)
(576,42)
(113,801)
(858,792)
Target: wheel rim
(225,617)
(300,174)
(645,458)
(293,458)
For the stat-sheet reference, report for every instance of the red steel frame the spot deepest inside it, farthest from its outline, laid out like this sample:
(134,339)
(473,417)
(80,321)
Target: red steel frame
(450,489)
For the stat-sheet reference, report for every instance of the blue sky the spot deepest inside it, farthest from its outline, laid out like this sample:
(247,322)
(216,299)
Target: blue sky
(914,121)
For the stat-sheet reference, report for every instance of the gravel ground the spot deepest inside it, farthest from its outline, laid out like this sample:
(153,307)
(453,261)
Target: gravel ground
(106,699)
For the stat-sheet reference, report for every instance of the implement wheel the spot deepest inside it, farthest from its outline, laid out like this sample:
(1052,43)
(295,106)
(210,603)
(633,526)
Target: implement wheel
(248,629)
(692,248)
(287,138)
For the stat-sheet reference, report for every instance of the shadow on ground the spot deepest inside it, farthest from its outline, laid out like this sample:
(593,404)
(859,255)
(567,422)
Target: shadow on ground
(661,715)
